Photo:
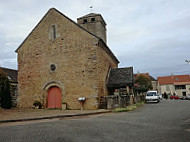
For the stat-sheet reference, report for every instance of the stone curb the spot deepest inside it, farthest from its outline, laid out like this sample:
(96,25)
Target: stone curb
(53,117)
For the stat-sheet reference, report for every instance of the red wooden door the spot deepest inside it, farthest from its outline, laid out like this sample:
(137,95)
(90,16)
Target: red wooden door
(54,97)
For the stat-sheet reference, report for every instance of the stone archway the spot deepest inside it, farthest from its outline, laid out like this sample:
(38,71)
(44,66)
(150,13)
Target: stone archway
(47,88)
(54,97)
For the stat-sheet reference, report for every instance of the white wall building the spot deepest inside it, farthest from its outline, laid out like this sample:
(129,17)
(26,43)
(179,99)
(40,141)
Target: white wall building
(178,84)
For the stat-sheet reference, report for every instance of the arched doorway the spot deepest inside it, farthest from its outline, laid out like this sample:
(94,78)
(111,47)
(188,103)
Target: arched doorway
(54,97)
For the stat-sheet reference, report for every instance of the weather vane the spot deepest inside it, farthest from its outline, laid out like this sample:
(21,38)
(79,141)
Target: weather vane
(188,61)
(91,8)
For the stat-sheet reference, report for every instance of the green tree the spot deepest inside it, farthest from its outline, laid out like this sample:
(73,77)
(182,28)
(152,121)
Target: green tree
(5,94)
(142,84)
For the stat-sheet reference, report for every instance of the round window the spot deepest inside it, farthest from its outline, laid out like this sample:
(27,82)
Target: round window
(53,67)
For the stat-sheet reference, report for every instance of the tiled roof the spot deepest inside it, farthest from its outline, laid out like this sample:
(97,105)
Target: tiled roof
(11,73)
(152,78)
(145,74)
(174,79)
(120,77)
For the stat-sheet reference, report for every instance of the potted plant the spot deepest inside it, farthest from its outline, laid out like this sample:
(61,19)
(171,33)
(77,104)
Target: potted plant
(37,104)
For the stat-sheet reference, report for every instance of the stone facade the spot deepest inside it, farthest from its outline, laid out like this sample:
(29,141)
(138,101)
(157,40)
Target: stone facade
(58,52)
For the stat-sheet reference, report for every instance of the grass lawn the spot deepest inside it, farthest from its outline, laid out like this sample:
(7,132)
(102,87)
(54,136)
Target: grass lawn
(129,108)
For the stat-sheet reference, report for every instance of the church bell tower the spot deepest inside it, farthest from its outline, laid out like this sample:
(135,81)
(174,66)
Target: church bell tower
(95,24)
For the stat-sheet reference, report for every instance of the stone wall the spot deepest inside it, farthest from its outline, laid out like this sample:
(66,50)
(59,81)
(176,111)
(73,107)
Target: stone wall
(104,64)
(14,94)
(118,101)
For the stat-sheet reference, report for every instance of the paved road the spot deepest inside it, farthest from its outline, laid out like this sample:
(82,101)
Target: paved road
(167,121)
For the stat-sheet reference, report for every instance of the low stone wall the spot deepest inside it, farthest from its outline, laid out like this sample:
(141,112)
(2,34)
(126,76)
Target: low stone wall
(117,101)
(14,95)
(139,98)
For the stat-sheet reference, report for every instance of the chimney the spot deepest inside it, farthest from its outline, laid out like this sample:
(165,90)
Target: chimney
(172,76)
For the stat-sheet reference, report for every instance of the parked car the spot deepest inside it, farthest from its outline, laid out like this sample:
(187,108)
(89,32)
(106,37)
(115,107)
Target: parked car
(188,97)
(173,97)
(160,96)
(152,96)
(185,98)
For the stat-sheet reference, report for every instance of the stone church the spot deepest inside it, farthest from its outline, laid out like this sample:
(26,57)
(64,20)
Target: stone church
(62,61)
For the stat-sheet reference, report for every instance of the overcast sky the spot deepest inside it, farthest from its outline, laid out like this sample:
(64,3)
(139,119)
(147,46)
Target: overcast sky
(150,35)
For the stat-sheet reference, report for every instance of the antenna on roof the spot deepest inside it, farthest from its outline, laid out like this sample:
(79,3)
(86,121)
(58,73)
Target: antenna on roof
(91,8)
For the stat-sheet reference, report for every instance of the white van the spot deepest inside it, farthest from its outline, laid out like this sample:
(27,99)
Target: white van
(152,96)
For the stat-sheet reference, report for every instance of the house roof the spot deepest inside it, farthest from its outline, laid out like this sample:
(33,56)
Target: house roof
(152,78)
(145,74)
(174,79)
(99,39)
(120,77)
(11,73)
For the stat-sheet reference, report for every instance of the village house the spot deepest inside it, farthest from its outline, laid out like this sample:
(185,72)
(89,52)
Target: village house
(12,76)
(174,84)
(61,61)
